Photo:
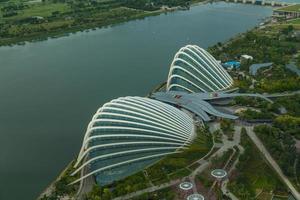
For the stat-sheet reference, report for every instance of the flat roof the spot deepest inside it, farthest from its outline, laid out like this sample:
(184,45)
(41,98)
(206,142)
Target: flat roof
(193,102)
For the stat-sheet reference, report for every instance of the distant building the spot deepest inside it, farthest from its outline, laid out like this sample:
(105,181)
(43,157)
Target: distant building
(246,57)
(232,64)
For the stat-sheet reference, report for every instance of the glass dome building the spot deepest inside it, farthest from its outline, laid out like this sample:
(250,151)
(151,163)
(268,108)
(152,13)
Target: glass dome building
(128,134)
(194,70)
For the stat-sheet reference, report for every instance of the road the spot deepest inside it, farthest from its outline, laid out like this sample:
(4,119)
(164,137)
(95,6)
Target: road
(271,161)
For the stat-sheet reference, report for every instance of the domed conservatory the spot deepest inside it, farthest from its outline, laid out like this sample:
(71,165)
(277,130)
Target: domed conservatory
(128,134)
(194,70)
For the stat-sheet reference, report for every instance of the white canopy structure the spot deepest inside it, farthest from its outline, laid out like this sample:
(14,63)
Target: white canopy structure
(130,133)
(194,70)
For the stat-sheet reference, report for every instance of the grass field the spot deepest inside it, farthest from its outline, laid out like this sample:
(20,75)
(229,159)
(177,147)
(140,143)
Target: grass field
(293,8)
(33,9)
(295,21)
(39,9)
(44,10)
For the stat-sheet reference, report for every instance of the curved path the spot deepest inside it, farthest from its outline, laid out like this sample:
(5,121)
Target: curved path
(283,94)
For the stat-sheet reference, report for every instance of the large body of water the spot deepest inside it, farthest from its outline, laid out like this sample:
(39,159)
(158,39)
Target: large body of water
(49,90)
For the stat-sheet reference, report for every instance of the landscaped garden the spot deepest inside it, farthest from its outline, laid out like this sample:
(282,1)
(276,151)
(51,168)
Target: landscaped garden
(174,166)
(252,175)
(264,46)
(281,144)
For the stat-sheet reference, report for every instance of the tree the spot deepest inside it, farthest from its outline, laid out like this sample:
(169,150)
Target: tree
(95,193)
(243,131)
(106,194)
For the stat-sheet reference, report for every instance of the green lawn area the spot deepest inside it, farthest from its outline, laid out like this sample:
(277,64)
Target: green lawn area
(293,8)
(42,9)
(295,21)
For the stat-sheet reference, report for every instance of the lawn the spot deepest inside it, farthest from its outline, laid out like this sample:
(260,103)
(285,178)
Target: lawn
(292,8)
(42,10)
(295,21)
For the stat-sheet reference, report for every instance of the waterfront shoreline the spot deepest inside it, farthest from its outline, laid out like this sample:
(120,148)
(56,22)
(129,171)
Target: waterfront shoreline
(51,187)
(8,42)
(20,41)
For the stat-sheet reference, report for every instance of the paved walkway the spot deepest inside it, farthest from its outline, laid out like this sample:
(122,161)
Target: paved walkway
(283,94)
(237,139)
(227,192)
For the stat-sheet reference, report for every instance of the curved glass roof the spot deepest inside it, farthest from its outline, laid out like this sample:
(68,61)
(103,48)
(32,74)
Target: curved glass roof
(129,133)
(194,70)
